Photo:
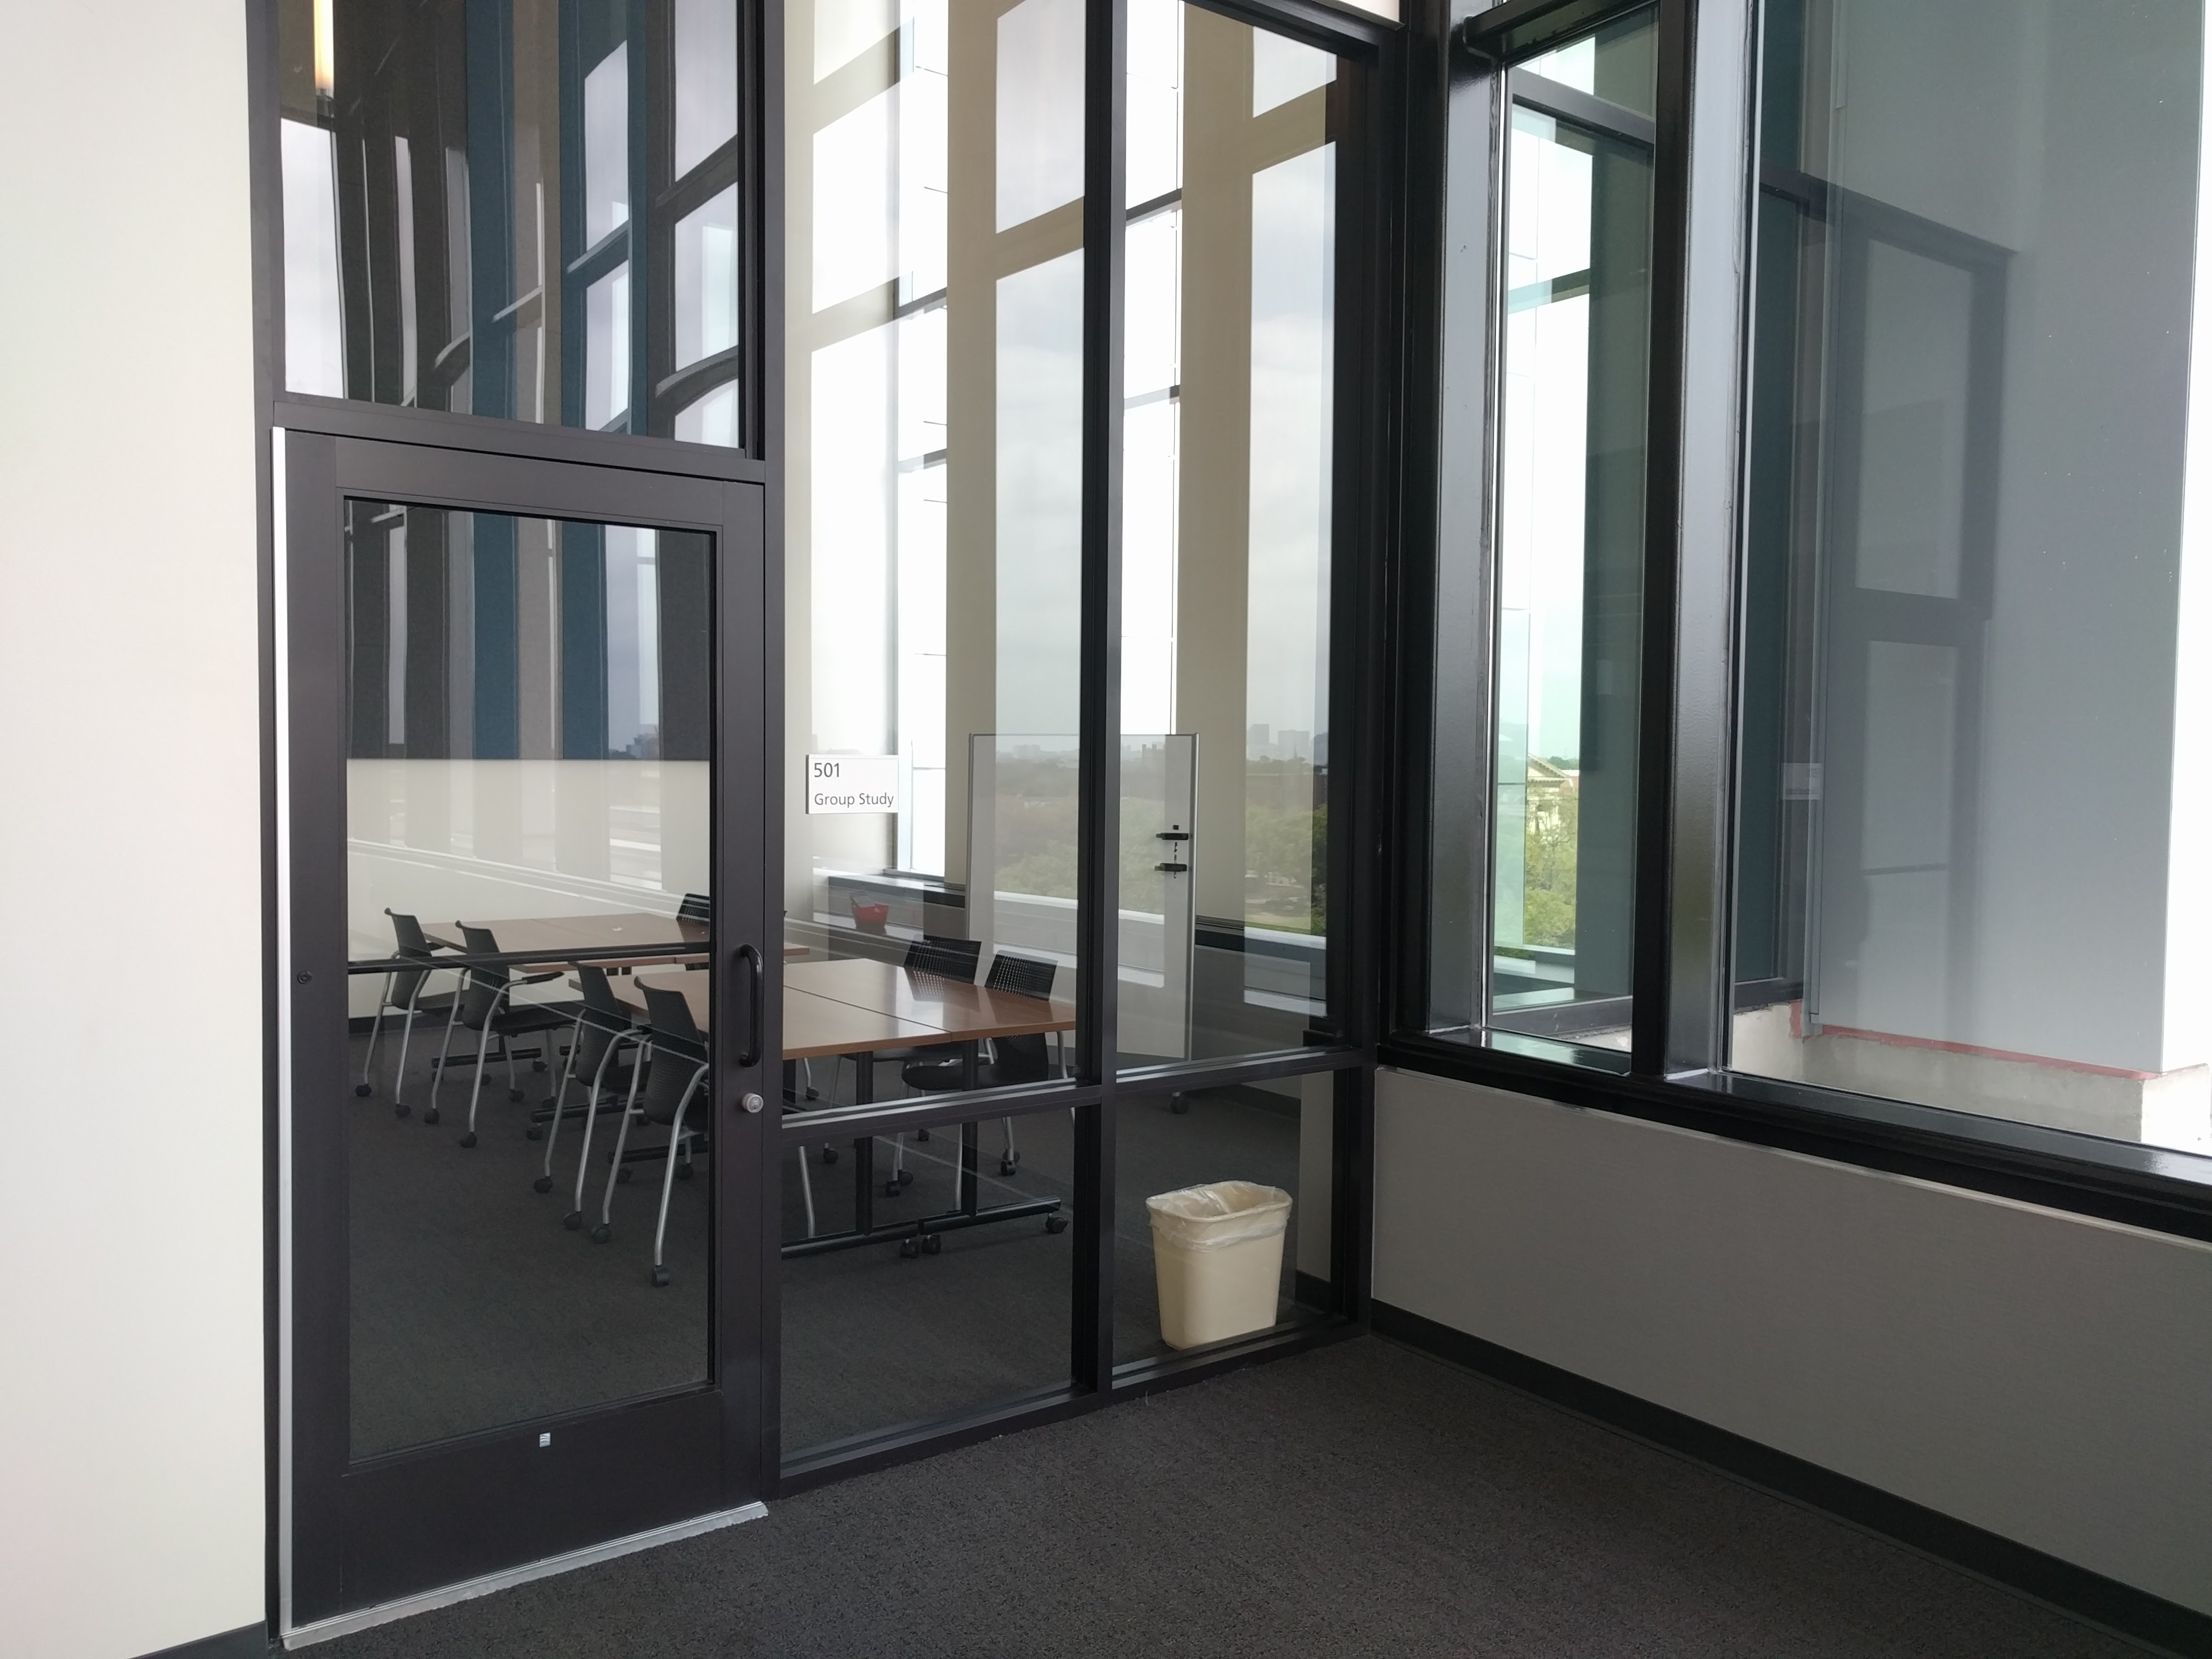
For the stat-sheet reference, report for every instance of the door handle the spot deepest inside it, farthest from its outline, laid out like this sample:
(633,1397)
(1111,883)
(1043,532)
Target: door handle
(757,1003)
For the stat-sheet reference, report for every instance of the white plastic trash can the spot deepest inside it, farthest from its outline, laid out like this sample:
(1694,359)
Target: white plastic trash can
(1217,1257)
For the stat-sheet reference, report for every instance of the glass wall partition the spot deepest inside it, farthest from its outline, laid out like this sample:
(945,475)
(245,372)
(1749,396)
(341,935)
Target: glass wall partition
(530,209)
(1535,950)
(1228,448)
(1227,452)
(1971,823)
(933,542)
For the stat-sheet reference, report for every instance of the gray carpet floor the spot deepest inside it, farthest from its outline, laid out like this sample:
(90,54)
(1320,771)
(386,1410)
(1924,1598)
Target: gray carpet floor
(1360,1500)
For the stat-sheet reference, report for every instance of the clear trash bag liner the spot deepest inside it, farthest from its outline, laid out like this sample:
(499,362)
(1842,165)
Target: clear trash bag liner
(1218,1214)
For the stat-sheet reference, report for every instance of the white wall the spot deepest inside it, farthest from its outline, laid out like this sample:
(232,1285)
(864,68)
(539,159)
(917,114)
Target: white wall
(130,1256)
(2041,1375)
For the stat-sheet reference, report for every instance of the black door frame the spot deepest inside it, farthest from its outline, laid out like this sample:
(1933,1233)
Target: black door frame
(362,1534)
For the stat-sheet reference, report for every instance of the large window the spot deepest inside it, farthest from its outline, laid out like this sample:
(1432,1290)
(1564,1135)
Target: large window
(529,209)
(1561,615)
(1913,810)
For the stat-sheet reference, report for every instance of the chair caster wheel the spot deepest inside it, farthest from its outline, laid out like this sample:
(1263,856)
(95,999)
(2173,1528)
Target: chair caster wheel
(892,1189)
(684,1171)
(919,1134)
(574,1221)
(1178,1105)
(536,1064)
(430,1118)
(1056,1224)
(828,1154)
(533,1132)
(934,1244)
(906,1177)
(602,1233)
(514,1094)
(542,1184)
(623,1174)
(660,1279)
(469,1138)
(909,1249)
(1005,1166)
(400,1108)
(360,1089)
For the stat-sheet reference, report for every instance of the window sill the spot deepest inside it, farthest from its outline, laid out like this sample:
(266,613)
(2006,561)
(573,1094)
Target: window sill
(2148,1187)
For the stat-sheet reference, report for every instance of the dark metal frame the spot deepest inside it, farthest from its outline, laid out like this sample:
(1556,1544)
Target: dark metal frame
(369,1529)
(1371,236)
(1677,1072)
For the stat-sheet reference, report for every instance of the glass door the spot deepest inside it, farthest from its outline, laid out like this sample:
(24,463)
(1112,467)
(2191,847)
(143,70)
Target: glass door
(525,865)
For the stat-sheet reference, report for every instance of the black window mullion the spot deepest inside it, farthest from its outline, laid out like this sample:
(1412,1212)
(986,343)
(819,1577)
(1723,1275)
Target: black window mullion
(1097,882)
(652,279)
(1701,190)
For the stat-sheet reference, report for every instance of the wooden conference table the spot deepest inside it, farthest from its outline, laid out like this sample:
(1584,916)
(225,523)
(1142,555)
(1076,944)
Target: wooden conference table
(852,1006)
(856,1007)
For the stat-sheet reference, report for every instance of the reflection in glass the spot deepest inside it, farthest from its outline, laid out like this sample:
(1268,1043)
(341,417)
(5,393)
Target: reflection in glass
(1971,488)
(707,279)
(475,221)
(706,80)
(606,350)
(1228,378)
(1619,62)
(526,773)
(606,146)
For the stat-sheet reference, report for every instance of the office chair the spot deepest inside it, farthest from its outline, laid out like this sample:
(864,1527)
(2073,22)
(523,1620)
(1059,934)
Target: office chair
(1014,1059)
(674,1070)
(942,958)
(402,990)
(484,1008)
(603,1027)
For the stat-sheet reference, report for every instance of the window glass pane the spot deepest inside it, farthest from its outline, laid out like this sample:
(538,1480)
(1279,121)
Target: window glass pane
(606,145)
(606,348)
(933,552)
(474,219)
(1040,135)
(706,80)
(1974,580)
(1534,925)
(528,718)
(706,280)
(1227,454)
(1619,62)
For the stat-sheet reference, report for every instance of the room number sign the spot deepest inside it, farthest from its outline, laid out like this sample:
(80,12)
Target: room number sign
(851,783)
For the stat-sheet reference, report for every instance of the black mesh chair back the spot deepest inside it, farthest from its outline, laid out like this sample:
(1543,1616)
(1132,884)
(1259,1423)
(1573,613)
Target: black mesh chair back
(679,1049)
(1023,975)
(604,1020)
(946,958)
(408,931)
(696,907)
(480,995)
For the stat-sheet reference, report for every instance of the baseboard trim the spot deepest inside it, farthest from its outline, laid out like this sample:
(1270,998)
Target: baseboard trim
(2076,1591)
(345,1623)
(246,1641)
